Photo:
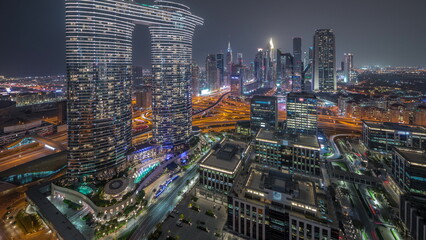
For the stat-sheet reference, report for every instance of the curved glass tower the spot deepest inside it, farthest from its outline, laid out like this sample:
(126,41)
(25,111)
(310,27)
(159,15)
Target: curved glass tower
(99,60)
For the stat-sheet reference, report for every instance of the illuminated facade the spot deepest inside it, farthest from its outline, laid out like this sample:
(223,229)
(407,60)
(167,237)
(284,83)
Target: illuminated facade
(324,71)
(383,136)
(290,152)
(269,204)
(212,73)
(263,113)
(219,169)
(298,64)
(409,169)
(99,65)
(302,113)
(285,73)
(349,67)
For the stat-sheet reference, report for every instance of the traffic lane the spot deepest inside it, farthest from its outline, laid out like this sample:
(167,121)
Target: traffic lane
(160,209)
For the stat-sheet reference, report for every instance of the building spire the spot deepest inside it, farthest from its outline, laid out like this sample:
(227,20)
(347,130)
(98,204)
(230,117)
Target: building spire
(229,47)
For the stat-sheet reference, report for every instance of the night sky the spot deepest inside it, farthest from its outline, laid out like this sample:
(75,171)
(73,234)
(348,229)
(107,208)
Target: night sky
(386,32)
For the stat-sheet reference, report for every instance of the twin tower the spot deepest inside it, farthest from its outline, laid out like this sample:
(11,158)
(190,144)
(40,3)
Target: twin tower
(99,62)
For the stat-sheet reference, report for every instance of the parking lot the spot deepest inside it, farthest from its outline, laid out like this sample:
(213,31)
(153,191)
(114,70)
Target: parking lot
(202,226)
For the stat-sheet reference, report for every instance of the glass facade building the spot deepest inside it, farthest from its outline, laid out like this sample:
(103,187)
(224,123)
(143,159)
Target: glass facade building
(409,169)
(324,70)
(412,212)
(273,205)
(263,113)
(302,114)
(289,152)
(383,136)
(99,65)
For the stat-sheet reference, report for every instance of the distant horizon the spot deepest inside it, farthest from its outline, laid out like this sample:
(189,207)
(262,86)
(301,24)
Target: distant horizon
(423,68)
(376,33)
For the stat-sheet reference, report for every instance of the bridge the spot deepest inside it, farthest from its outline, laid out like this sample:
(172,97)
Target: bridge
(48,143)
(352,177)
(212,106)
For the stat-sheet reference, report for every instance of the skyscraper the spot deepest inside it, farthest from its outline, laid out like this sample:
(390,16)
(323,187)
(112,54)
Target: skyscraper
(268,63)
(220,64)
(137,76)
(195,79)
(144,98)
(99,65)
(302,113)
(229,62)
(212,73)
(285,74)
(263,113)
(348,67)
(259,66)
(324,71)
(240,59)
(307,84)
(297,65)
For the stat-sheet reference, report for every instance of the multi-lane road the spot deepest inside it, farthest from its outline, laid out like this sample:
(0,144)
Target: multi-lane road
(215,113)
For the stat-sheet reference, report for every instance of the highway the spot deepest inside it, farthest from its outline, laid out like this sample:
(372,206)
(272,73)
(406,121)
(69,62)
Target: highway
(219,114)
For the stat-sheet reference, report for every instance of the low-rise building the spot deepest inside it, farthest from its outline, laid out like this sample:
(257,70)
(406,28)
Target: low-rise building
(412,212)
(219,169)
(268,204)
(294,153)
(409,169)
(382,137)
(242,128)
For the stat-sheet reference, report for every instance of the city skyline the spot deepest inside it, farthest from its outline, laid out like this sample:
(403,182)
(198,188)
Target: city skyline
(36,47)
(169,135)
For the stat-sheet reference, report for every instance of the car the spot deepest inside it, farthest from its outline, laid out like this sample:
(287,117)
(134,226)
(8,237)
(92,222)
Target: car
(205,229)
(179,223)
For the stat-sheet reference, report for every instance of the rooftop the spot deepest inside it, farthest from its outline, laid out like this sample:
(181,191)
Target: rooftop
(276,189)
(288,139)
(412,155)
(61,224)
(278,182)
(227,157)
(396,127)
(301,95)
(264,98)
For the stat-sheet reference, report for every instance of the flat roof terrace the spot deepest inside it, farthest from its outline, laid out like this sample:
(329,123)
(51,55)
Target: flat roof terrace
(226,159)
(288,139)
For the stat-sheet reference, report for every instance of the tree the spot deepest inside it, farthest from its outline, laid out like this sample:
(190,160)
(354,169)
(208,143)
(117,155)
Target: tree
(181,216)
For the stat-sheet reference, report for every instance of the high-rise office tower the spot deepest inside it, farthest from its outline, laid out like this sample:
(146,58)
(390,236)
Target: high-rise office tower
(229,62)
(220,64)
(297,65)
(348,67)
(195,79)
(137,76)
(144,98)
(302,114)
(263,113)
(240,59)
(212,73)
(259,66)
(324,71)
(99,65)
(285,72)
(268,63)
(307,75)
